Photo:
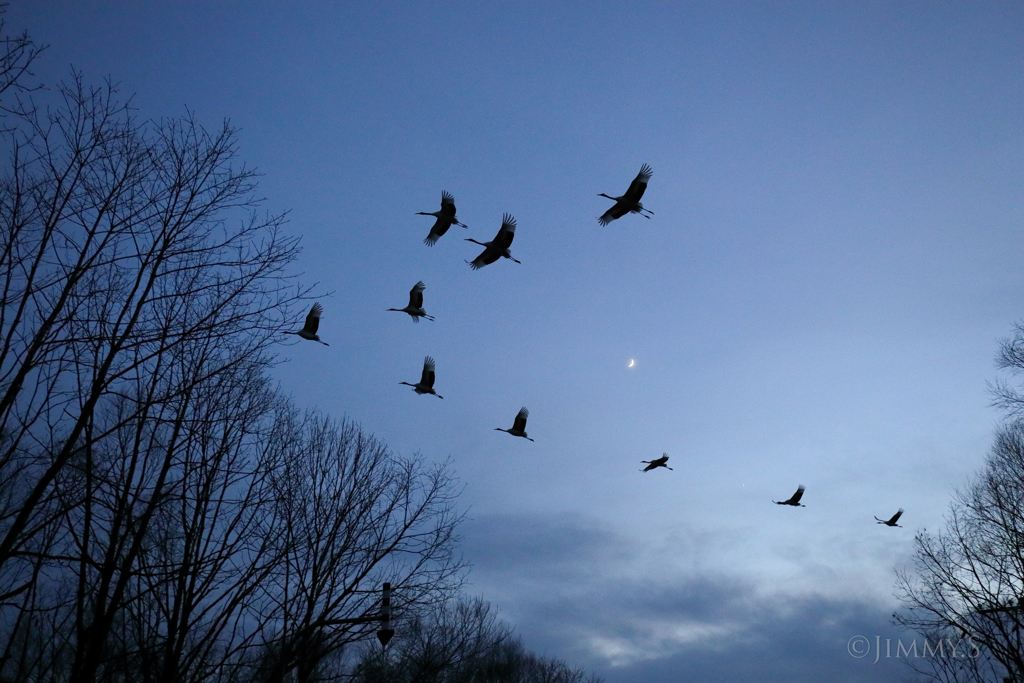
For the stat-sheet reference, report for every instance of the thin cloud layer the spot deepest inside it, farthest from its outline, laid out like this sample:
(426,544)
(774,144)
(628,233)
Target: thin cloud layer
(566,584)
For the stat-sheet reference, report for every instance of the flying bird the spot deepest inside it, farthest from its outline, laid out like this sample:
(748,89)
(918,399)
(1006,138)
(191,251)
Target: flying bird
(795,500)
(445,219)
(892,522)
(497,247)
(629,202)
(519,426)
(657,462)
(308,331)
(426,383)
(415,307)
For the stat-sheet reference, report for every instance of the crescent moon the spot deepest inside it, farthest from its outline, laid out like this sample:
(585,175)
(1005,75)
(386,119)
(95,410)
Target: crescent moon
(631,361)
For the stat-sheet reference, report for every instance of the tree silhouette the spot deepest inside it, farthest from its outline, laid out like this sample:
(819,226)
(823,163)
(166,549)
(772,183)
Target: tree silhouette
(460,641)
(165,515)
(968,583)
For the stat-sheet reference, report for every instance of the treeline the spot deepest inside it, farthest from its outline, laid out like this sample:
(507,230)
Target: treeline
(166,516)
(462,642)
(964,593)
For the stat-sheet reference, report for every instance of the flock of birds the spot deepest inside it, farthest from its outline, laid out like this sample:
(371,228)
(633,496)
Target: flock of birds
(497,248)
(794,500)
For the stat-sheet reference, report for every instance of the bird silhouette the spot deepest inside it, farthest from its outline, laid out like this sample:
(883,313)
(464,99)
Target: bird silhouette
(445,219)
(415,307)
(497,247)
(657,462)
(426,383)
(629,202)
(892,521)
(795,500)
(519,426)
(308,331)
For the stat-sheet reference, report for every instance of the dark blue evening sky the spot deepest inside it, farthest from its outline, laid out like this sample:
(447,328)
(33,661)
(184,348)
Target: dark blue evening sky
(835,251)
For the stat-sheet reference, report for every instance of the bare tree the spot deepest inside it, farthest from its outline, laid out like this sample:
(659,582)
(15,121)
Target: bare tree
(1010,357)
(17,54)
(116,255)
(461,641)
(174,572)
(511,662)
(967,593)
(437,644)
(137,273)
(165,516)
(352,515)
(969,579)
(272,532)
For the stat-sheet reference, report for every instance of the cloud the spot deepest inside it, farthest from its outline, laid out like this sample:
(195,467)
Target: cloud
(572,587)
(534,547)
(723,631)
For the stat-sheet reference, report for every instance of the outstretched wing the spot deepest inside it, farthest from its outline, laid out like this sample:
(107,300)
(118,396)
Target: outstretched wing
(447,204)
(506,234)
(486,258)
(427,380)
(313,319)
(797,496)
(416,295)
(895,517)
(617,211)
(639,184)
(440,227)
(520,422)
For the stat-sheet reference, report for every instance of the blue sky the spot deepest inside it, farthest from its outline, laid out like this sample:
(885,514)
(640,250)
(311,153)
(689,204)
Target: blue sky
(834,253)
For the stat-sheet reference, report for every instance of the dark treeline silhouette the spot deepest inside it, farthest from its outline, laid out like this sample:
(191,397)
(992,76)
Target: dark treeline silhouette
(966,590)
(461,642)
(165,515)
